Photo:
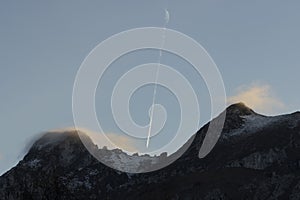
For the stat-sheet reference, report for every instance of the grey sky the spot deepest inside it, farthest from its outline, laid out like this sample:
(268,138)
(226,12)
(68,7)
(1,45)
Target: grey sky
(254,43)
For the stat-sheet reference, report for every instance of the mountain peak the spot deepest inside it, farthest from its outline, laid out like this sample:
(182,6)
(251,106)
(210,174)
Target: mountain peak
(59,168)
(239,109)
(56,137)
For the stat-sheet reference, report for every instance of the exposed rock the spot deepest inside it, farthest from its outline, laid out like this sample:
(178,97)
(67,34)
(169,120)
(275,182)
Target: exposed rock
(257,157)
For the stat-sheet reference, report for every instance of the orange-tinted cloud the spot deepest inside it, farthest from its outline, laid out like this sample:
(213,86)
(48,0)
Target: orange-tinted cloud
(101,140)
(258,97)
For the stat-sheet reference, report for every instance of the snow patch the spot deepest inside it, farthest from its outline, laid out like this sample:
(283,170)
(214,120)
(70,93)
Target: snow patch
(253,123)
(33,163)
(124,162)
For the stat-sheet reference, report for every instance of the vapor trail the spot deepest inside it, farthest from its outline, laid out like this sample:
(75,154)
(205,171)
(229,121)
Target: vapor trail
(167,17)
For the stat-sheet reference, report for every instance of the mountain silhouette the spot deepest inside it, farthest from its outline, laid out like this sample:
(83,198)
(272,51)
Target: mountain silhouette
(256,157)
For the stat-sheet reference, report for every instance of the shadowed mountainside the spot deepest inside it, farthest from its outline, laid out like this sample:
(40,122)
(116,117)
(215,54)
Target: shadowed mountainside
(256,157)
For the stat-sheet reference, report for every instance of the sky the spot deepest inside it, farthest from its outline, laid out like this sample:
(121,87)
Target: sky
(255,45)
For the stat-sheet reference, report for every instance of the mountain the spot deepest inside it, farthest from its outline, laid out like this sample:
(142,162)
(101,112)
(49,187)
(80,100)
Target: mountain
(256,157)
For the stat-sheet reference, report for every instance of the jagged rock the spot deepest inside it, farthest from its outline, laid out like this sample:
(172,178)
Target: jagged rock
(257,157)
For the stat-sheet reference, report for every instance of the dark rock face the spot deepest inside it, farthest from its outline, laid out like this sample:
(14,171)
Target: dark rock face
(257,157)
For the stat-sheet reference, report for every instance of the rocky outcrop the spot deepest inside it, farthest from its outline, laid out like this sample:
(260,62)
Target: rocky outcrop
(257,157)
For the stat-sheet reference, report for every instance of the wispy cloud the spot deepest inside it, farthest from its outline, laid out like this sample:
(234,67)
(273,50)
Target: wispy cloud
(110,140)
(116,141)
(258,97)
(123,142)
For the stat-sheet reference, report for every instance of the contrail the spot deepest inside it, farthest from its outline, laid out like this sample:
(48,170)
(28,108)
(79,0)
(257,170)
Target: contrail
(167,18)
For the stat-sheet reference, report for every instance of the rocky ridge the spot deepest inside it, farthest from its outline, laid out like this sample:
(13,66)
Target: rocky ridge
(256,157)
